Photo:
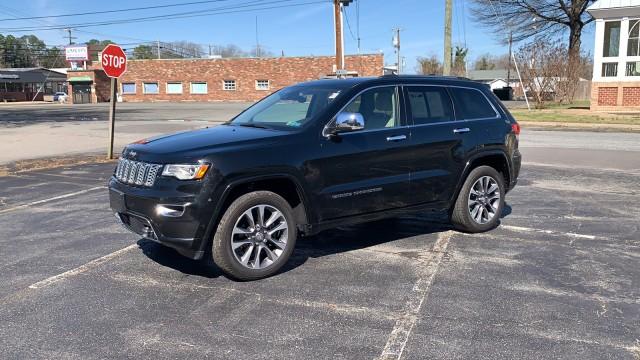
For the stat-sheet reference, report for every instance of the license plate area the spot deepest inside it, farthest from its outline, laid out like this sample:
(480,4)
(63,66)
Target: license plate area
(116,201)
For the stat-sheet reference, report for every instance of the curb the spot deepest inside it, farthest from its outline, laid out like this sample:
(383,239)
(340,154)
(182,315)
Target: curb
(594,127)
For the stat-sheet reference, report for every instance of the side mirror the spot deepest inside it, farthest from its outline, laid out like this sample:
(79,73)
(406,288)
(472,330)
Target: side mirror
(347,122)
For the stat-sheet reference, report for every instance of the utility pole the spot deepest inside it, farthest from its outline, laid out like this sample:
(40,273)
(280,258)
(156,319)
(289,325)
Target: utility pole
(509,66)
(68,30)
(447,37)
(396,45)
(257,39)
(158,44)
(337,17)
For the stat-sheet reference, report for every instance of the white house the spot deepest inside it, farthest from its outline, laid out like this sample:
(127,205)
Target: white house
(616,73)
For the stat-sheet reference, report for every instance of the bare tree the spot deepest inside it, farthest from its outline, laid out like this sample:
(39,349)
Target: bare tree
(228,51)
(429,65)
(531,18)
(547,73)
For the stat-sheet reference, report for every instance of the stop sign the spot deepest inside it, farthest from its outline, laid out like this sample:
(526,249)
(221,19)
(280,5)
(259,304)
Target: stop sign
(114,61)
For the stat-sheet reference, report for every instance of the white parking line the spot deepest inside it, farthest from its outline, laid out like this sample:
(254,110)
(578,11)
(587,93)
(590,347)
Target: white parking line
(550,232)
(81,269)
(59,197)
(404,325)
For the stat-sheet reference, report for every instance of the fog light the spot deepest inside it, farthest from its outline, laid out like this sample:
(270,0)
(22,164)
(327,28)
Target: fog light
(171,210)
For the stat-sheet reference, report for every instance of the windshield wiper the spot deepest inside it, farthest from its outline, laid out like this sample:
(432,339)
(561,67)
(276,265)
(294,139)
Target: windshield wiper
(253,125)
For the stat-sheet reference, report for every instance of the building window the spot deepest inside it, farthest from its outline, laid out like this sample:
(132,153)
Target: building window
(128,88)
(611,39)
(199,88)
(609,69)
(174,88)
(229,85)
(262,84)
(633,69)
(633,48)
(151,88)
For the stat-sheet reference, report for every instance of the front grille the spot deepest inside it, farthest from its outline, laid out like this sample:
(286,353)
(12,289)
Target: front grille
(136,172)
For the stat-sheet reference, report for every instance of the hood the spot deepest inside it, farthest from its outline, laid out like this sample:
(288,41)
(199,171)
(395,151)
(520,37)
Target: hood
(195,141)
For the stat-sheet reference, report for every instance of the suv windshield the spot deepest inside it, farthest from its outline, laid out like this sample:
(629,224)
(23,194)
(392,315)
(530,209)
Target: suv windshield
(288,108)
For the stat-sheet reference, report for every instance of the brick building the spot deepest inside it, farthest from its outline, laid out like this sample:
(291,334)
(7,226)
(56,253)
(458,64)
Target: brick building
(229,79)
(616,74)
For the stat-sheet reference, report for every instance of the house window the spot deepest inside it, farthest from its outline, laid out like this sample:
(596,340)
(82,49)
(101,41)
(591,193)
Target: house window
(262,84)
(633,69)
(229,85)
(199,88)
(633,48)
(128,88)
(151,88)
(174,88)
(609,69)
(611,39)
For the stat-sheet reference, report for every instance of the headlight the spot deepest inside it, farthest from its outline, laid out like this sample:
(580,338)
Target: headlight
(185,171)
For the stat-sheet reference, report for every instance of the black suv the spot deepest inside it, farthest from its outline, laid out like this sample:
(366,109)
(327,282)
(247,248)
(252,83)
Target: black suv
(315,156)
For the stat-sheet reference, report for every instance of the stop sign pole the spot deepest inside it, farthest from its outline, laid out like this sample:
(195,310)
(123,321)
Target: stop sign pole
(114,64)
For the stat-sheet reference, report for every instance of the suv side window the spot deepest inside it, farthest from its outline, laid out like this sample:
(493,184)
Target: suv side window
(429,104)
(378,106)
(471,104)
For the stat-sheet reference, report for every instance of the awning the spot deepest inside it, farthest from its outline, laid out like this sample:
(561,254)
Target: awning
(80,79)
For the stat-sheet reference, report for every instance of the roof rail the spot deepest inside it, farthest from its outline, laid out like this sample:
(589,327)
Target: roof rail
(428,76)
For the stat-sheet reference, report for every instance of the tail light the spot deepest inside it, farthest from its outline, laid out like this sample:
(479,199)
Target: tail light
(516,129)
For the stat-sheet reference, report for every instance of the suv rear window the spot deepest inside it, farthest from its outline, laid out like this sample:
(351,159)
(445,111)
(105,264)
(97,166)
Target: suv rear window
(471,104)
(429,105)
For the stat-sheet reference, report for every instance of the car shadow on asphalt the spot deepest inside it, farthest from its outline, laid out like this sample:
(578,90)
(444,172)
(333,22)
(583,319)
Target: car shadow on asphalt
(329,242)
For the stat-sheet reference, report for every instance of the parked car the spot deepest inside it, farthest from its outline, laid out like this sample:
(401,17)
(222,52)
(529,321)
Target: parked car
(315,156)
(60,97)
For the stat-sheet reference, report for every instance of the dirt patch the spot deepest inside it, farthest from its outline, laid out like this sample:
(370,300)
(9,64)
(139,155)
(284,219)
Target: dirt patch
(50,163)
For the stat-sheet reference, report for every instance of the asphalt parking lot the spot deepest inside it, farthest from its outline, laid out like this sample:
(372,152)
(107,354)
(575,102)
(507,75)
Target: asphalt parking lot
(558,279)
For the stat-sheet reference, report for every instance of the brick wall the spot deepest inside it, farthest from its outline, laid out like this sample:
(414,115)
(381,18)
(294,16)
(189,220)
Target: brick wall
(631,96)
(607,96)
(280,72)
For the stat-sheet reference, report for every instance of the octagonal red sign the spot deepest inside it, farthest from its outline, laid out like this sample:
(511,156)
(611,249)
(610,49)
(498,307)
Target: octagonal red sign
(114,61)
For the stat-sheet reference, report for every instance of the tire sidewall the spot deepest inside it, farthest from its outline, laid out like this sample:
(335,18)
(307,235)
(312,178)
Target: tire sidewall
(474,175)
(222,251)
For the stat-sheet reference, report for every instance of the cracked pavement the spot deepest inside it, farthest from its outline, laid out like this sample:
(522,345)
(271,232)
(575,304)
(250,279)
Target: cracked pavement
(558,279)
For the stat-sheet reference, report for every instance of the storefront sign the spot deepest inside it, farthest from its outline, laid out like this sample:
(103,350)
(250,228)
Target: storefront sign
(9,76)
(76,53)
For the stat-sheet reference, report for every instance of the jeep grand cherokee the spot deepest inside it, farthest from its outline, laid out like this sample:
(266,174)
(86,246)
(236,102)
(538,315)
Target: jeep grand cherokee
(315,156)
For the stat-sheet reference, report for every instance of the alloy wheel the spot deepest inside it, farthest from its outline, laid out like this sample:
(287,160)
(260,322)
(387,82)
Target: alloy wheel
(484,200)
(259,237)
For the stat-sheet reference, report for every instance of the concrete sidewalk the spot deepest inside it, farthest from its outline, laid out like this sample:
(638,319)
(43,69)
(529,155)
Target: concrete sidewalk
(80,138)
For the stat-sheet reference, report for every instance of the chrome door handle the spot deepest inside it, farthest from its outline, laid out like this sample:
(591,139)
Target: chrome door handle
(461,130)
(397,138)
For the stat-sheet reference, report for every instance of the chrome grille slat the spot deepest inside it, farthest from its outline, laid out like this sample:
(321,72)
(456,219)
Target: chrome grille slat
(137,173)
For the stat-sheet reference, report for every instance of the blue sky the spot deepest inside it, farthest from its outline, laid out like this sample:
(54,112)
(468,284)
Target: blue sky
(299,30)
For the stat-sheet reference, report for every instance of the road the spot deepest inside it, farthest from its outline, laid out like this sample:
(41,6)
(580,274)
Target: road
(558,279)
(46,130)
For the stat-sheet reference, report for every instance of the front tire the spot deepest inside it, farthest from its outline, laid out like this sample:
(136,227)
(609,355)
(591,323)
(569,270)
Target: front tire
(255,236)
(480,201)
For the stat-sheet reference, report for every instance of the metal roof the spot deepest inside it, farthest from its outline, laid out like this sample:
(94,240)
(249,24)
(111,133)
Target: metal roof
(30,75)
(614,8)
(487,75)
(611,4)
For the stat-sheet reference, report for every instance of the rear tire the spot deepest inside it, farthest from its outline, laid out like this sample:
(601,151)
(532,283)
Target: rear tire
(480,201)
(255,236)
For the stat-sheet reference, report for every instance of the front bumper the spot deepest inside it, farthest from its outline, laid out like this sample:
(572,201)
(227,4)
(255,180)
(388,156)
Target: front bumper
(176,221)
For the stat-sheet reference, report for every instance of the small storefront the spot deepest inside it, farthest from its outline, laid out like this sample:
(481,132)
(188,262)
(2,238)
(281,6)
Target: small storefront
(81,89)
(30,84)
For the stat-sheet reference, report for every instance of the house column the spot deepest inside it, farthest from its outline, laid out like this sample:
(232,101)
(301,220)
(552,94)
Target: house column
(598,50)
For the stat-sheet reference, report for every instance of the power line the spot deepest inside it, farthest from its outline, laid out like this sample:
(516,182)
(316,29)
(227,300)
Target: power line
(190,14)
(114,11)
(346,16)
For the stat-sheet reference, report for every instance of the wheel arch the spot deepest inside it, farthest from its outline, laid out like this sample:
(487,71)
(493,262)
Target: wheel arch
(285,185)
(496,159)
